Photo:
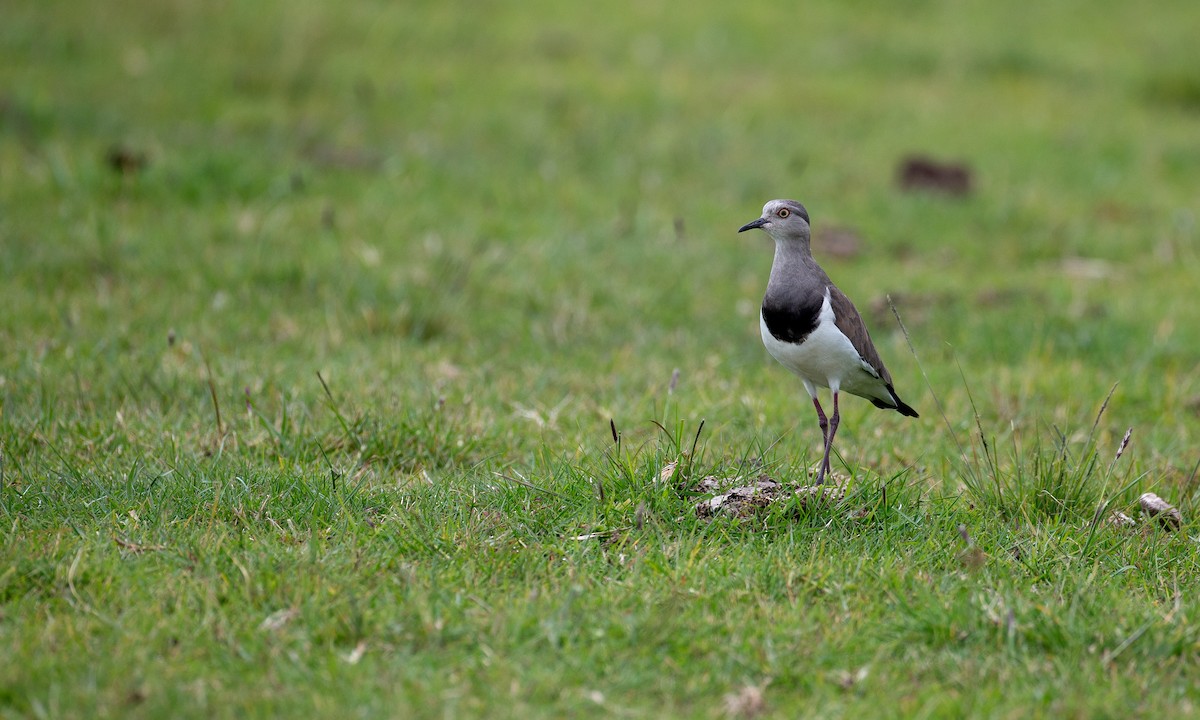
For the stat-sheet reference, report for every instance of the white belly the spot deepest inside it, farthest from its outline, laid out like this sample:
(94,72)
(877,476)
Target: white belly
(826,358)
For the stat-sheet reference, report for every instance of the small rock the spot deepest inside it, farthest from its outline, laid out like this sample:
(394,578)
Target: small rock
(1166,514)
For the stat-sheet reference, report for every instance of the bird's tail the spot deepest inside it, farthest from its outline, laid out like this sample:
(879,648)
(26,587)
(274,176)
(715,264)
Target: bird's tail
(896,404)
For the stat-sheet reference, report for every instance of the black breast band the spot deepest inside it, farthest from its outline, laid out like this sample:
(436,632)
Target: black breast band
(790,323)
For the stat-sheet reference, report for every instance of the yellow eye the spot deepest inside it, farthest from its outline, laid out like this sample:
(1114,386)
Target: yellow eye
(784,212)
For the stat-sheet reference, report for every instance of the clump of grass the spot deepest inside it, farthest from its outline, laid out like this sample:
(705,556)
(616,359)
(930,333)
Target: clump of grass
(1055,479)
(1059,480)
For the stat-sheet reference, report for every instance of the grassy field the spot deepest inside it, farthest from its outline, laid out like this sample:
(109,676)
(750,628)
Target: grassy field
(318,321)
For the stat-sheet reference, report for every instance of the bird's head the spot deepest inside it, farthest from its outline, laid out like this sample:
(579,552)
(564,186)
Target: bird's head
(782,220)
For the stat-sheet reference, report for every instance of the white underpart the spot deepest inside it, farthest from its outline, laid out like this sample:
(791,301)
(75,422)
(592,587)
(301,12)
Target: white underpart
(826,358)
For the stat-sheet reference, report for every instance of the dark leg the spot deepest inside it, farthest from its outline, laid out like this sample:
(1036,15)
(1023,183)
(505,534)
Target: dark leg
(822,420)
(833,426)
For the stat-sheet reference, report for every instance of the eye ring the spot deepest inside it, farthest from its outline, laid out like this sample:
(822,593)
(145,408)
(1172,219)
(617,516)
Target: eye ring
(784,212)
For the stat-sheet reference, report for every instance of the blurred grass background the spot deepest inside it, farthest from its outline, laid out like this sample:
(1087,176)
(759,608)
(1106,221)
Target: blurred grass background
(491,228)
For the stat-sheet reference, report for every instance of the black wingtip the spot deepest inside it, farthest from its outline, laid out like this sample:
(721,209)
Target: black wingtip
(900,406)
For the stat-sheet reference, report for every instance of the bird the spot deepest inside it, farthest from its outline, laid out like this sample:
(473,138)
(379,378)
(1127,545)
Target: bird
(813,329)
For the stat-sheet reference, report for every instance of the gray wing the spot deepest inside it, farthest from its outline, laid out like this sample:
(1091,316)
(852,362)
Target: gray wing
(851,324)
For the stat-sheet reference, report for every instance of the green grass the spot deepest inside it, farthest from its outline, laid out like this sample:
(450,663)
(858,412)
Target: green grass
(308,414)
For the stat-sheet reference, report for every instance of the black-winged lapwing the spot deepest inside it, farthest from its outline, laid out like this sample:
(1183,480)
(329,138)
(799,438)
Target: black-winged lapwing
(812,328)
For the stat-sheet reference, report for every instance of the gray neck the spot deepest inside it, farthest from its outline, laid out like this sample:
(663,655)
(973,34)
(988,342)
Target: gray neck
(795,276)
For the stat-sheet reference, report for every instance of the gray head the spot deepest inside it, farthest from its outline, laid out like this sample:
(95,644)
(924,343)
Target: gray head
(782,220)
